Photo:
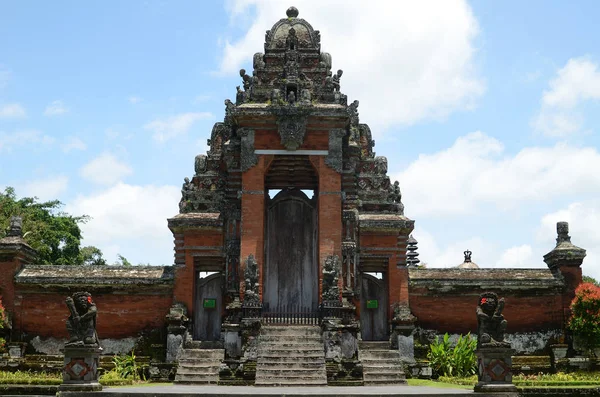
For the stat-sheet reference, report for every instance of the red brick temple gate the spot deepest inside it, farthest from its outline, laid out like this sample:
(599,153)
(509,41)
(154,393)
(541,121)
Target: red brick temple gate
(292,132)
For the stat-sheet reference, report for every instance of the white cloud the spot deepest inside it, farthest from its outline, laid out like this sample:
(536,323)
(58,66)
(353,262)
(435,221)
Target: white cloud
(474,171)
(106,169)
(171,127)
(417,56)
(121,223)
(12,111)
(452,253)
(518,256)
(134,100)
(48,188)
(23,138)
(56,108)
(583,218)
(73,143)
(560,114)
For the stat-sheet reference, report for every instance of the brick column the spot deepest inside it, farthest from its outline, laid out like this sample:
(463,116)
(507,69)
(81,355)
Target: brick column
(253,218)
(330,213)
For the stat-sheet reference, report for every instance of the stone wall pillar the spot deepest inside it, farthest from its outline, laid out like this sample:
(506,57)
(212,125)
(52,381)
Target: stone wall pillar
(14,253)
(565,261)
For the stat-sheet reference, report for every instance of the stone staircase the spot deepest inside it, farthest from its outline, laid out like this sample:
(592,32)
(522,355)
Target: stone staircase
(199,366)
(290,356)
(381,366)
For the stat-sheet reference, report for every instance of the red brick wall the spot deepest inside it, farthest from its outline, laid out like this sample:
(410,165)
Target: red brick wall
(456,313)
(120,315)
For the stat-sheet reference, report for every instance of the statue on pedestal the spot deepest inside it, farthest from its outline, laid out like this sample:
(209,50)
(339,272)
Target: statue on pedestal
(81,324)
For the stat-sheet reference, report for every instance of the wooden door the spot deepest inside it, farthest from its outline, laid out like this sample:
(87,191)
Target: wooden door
(374,308)
(208,307)
(291,271)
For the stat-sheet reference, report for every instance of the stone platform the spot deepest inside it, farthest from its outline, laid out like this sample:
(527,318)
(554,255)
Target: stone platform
(251,391)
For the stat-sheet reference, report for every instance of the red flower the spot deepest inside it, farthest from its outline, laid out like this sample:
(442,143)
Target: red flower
(90,300)
(483,300)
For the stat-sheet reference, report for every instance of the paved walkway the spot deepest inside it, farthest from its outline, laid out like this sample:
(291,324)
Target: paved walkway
(250,391)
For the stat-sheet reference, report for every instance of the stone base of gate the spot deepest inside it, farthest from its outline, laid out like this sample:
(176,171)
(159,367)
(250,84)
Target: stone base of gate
(341,352)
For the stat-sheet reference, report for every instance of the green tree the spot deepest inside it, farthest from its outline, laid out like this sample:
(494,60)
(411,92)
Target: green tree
(588,279)
(54,234)
(91,255)
(122,261)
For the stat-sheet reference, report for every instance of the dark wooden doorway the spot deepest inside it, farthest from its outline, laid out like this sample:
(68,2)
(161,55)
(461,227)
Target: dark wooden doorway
(374,308)
(208,307)
(291,271)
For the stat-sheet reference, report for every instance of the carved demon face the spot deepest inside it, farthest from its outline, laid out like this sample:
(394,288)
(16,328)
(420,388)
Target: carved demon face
(81,303)
(488,304)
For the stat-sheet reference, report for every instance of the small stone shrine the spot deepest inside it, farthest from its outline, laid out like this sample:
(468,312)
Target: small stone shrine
(494,354)
(82,351)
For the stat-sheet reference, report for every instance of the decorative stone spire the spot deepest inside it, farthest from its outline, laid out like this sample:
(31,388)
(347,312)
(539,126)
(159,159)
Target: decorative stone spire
(412,255)
(16,227)
(468,263)
(292,12)
(565,253)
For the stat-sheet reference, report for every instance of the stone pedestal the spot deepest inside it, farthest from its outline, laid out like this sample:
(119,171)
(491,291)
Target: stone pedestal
(80,371)
(494,369)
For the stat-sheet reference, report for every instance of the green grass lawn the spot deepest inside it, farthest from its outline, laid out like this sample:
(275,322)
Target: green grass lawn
(434,383)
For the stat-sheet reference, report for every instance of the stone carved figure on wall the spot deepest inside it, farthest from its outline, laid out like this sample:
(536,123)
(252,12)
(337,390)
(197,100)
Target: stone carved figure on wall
(251,281)
(395,195)
(331,274)
(81,324)
(490,321)
(247,80)
(335,80)
(291,97)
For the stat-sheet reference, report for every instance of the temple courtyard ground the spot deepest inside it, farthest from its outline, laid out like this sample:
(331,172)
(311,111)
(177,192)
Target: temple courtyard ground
(213,391)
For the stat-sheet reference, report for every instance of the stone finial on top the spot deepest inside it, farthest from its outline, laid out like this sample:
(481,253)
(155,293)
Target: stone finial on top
(468,256)
(292,12)
(562,229)
(468,263)
(565,253)
(16,227)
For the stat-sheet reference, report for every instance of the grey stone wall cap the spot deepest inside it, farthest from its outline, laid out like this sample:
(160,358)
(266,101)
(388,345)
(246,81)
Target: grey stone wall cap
(192,219)
(501,278)
(94,275)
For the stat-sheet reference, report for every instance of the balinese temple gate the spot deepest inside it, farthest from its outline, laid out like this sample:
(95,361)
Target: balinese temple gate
(290,209)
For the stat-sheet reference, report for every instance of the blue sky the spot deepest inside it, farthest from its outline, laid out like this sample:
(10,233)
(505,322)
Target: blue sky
(487,112)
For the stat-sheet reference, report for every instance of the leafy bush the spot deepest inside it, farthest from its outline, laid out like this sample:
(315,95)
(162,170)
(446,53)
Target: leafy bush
(126,366)
(585,317)
(459,360)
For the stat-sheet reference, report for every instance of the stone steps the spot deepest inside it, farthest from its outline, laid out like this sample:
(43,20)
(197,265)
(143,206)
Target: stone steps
(199,366)
(290,356)
(381,366)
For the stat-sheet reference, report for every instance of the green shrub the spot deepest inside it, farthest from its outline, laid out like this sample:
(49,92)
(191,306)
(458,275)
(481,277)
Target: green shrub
(113,378)
(459,360)
(29,378)
(127,367)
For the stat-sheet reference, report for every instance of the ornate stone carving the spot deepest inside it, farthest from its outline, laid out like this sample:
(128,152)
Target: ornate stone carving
(248,157)
(251,290)
(258,60)
(334,157)
(331,274)
(81,324)
(490,321)
(292,130)
(335,80)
